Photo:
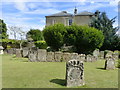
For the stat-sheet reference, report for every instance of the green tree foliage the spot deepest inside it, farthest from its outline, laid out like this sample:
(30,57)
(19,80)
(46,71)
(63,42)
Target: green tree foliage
(85,39)
(3,30)
(103,23)
(35,34)
(54,36)
(41,44)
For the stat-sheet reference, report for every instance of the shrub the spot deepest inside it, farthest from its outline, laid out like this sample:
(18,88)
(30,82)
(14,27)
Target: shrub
(41,44)
(54,35)
(84,38)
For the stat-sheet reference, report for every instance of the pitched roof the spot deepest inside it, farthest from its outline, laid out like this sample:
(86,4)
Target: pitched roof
(63,13)
(85,13)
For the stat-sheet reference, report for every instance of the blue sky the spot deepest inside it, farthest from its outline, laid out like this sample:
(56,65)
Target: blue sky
(31,13)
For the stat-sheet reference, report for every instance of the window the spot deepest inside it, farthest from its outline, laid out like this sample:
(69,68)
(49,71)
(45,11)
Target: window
(70,22)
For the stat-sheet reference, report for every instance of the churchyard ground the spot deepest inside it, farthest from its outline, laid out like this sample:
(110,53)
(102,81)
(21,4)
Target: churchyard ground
(19,73)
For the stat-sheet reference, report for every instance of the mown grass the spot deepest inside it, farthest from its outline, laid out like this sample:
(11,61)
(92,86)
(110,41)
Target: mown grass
(19,73)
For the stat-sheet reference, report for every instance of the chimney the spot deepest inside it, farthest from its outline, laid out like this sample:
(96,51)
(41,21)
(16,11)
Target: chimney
(75,11)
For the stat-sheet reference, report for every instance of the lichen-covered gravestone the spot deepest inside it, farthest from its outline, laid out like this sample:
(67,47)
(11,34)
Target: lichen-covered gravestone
(116,55)
(50,56)
(32,56)
(74,56)
(74,73)
(109,63)
(81,57)
(66,56)
(25,52)
(58,56)
(101,55)
(41,55)
(18,53)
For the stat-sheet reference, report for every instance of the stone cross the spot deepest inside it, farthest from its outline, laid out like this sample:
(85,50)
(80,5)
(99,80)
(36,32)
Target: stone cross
(74,73)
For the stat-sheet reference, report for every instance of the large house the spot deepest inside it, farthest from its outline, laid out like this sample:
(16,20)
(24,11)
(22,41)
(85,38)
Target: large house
(82,18)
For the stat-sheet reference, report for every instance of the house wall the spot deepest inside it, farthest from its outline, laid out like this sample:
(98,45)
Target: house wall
(54,20)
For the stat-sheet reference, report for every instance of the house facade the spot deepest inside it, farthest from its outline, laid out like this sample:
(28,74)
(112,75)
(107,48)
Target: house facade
(82,18)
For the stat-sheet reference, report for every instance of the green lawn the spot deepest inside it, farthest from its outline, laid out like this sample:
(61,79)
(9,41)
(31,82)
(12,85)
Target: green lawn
(19,73)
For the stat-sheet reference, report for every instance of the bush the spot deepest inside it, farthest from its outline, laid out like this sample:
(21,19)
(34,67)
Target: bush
(41,44)
(84,38)
(54,35)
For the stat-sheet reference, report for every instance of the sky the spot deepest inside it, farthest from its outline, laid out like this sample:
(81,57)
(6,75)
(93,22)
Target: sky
(31,13)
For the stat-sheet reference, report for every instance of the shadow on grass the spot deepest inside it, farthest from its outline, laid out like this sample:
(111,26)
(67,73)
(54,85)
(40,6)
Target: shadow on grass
(61,82)
(101,68)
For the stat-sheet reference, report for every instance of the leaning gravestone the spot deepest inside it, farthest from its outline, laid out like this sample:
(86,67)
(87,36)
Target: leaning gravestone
(58,56)
(42,54)
(25,52)
(18,53)
(32,56)
(50,56)
(66,56)
(74,73)
(109,63)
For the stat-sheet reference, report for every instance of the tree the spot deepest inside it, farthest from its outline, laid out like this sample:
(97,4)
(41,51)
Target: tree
(3,30)
(103,23)
(84,38)
(54,36)
(35,34)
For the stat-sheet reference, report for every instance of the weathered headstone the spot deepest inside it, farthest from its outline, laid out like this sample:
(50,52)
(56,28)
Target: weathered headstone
(42,54)
(109,63)
(74,73)
(101,55)
(109,53)
(74,56)
(25,52)
(96,53)
(50,56)
(18,53)
(89,58)
(32,56)
(81,57)
(10,51)
(66,56)
(116,55)
(58,56)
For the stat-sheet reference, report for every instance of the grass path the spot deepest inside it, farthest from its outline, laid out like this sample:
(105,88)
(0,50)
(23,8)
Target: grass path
(18,73)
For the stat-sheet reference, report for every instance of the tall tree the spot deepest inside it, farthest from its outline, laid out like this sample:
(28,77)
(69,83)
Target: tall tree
(3,30)
(103,23)
(35,34)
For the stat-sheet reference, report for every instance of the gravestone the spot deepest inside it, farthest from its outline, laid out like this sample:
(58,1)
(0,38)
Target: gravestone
(18,53)
(96,53)
(101,55)
(81,57)
(74,56)
(66,56)
(50,56)
(10,51)
(32,55)
(116,55)
(25,52)
(74,73)
(58,56)
(109,63)
(89,58)
(109,53)
(42,54)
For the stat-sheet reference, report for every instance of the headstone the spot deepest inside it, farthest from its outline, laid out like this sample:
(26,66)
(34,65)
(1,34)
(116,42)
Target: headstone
(74,56)
(101,55)
(109,53)
(74,73)
(109,63)
(116,55)
(25,52)
(42,54)
(18,53)
(81,57)
(66,56)
(89,58)
(50,56)
(32,56)
(10,51)
(58,56)
(96,53)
